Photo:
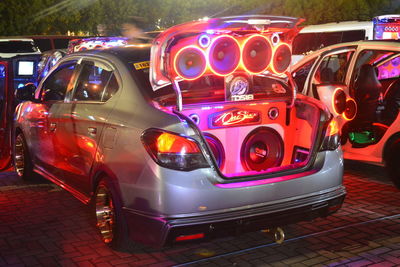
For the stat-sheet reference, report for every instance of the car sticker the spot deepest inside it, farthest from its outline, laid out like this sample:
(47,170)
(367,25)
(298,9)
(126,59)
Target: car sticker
(142,65)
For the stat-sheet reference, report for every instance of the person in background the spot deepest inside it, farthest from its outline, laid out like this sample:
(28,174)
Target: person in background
(133,29)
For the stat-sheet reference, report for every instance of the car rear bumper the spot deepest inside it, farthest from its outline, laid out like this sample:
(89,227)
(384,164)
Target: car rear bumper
(161,231)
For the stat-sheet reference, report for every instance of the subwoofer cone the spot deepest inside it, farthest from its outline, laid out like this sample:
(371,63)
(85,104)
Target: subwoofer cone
(216,148)
(262,149)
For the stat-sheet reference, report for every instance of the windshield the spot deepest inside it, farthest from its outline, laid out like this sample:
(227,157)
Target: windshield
(17,47)
(212,89)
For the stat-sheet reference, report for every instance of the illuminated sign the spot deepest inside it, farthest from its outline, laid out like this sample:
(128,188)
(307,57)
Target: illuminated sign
(234,117)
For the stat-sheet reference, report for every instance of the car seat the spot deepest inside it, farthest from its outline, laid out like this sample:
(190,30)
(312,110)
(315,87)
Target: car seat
(368,91)
(391,102)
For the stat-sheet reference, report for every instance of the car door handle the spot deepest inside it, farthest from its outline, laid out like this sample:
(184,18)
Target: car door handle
(53,126)
(92,131)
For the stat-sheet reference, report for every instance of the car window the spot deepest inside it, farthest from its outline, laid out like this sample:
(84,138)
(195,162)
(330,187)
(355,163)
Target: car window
(2,88)
(96,82)
(17,47)
(57,83)
(300,75)
(43,44)
(333,68)
(389,69)
(61,43)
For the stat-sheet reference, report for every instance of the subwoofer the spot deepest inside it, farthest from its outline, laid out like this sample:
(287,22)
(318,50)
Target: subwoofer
(256,54)
(350,110)
(262,149)
(224,55)
(190,63)
(282,58)
(216,148)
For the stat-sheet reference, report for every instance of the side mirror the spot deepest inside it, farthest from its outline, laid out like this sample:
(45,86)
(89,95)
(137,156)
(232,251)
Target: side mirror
(26,93)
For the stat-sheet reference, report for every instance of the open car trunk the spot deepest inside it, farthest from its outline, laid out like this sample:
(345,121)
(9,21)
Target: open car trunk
(267,133)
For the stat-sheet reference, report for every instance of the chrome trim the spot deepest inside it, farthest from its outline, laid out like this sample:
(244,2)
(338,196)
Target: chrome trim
(81,197)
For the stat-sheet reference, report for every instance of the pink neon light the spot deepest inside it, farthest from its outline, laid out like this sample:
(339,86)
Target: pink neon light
(265,181)
(236,117)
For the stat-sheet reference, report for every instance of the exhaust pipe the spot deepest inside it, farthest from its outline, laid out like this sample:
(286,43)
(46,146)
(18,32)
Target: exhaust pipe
(277,234)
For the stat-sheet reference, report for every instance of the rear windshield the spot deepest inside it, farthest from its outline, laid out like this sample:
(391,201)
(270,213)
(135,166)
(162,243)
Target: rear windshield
(17,47)
(213,89)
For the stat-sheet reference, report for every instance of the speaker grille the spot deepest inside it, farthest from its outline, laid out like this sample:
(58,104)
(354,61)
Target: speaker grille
(190,63)
(262,149)
(224,55)
(256,54)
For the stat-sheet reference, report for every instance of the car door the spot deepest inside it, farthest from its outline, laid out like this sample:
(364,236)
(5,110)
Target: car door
(82,119)
(6,104)
(47,149)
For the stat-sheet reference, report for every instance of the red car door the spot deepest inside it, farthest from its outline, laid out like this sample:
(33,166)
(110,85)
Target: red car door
(6,105)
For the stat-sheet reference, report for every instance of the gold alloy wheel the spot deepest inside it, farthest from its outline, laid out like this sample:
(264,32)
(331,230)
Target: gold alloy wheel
(19,160)
(105,213)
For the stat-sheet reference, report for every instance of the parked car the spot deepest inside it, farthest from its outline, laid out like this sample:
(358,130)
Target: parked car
(14,72)
(314,37)
(210,145)
(48,60)
(52,42)
(11,47)
(359,81)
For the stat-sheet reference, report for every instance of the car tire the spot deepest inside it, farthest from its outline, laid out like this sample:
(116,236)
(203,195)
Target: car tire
(110,221)
(22,160)
(393,163)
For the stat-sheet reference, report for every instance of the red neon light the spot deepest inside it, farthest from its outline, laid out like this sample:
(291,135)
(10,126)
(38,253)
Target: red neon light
(244,44)
(189,237)
(273,55)
(235,118)
(333,101)
(179,52)
(208,55)
(344,113)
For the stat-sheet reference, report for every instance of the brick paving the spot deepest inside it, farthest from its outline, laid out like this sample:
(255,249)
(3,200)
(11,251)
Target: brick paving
(42,225)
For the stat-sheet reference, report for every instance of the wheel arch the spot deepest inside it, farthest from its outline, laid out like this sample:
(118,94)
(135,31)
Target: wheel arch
(393,140)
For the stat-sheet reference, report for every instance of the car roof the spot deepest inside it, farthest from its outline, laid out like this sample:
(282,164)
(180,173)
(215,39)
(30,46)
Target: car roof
(374,44)
(129,53)
(4,39)
(337,26)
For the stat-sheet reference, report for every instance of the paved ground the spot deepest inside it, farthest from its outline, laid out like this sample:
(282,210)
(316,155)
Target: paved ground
(42,225)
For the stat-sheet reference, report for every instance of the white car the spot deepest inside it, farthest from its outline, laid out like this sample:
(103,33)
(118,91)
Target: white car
(11,47)
(359,82)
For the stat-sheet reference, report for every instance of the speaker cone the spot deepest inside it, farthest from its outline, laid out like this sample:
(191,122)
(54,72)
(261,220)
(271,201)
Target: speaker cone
(281,59)
(262,149)
(339,101)
(216,148)
(190,63)
(224,55)
(351,109)
(256,54)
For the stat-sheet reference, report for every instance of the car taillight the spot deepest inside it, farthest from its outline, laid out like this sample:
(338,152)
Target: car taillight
(173,151)
(332,139)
